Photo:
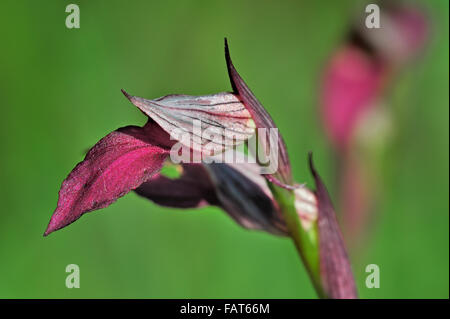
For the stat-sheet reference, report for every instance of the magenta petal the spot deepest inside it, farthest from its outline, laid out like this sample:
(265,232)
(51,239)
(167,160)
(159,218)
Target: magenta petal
(192,189)
(351,83)
(118,163)
(262,120)
(335,270)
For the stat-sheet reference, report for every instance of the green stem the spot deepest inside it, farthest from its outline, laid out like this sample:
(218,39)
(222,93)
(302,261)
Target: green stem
(306,241)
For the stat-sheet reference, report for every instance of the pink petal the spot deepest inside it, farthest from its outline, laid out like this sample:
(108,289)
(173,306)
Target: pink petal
(262,119)
(351,83)
(412,25)
(118,163)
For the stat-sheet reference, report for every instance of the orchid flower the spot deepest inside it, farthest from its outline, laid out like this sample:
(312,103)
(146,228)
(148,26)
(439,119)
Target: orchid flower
(357,121)
(134,158)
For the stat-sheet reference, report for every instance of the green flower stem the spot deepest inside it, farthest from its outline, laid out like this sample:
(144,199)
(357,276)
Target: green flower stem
(306,241)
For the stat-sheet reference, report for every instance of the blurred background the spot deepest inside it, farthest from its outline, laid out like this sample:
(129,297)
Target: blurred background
(60,93)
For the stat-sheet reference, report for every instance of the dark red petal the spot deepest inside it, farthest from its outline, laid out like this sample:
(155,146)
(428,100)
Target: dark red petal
(335,270)
(118,163)
(192,189)
(262,119)
(219,185)
(244,200)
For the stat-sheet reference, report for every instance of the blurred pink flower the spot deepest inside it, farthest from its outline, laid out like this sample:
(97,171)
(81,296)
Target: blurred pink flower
(352,89)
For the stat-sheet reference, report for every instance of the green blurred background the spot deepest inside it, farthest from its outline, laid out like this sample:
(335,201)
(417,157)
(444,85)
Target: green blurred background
(60,93)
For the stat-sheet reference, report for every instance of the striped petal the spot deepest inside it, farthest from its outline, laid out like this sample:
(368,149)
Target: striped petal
(208,124)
